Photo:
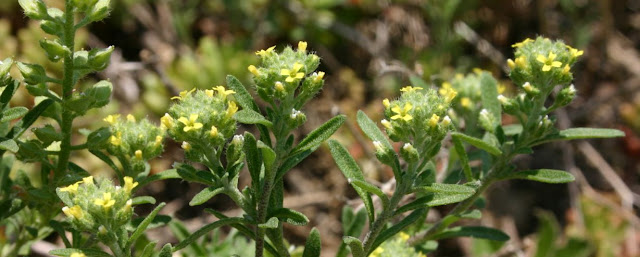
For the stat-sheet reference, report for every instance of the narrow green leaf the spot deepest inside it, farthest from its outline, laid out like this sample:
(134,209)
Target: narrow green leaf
(479,143)
(268,155)
(473,231)
(143,200)
(271,223)
(29,118)
(351,227)
(148,250)
(313,246)
(541,175)
(355,245)
(351,170)
(166,174)
(242,96)
(248,116)
(319,135)
(443,194)
(158,221)
(388,233)
(371,129)
(87,251)
(253,158)
(13,113)
(57,226)
(8,93)
(581,133)
(166,251)
(290,216)
(450,219)
(189,173)
(489,95)
(464,159)
(205,195)
(513,129)
(143,226)
(105,158)
(366,186)
(9,145)
(291,162)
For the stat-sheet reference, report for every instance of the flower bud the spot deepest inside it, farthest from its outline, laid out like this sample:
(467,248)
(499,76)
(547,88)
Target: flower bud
(383,153)
(486,120)
(33,73)
(34,9)
(5,66)
(296,118)
(409,153)
(234,150)
(565,96)
(99,58)
(531,90)
(54,50)
(99,11)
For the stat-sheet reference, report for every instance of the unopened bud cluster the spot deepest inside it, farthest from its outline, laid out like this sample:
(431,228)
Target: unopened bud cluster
(100,207)
(202,118)
(543,64)
(287,76)
(133,141)
(418,118)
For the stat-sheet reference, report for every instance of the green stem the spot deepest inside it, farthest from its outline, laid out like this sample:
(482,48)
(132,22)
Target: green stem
(384,217)
(66,124)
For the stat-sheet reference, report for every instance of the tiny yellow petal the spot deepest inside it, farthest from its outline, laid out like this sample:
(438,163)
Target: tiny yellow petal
(253,70)
(302,46)
(88,180)
(112,119)
(131,118)
(138,154)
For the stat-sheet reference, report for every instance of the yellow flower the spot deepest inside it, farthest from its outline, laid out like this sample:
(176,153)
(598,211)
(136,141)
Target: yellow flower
(186,146)
(404,236)
(158,141)
(73,212)
(112,119)
(522,43)
(409,89)
(138,154)
(183,94)
(166,121)
(446,121)
(232,109)
(302,46)
(88,180)
(377,252)
(575,52)
(106,202)
(465,102)
(386,103)
(77,255)
(279,87)
(129,184)
(521,61)
(190,124)
(209,92)
(263,53)
(548,61)
(253,70)
(566,69)
(116,140)
(402,113)
(511,64)
(449,94)
(319,77)
(444,89)
(294,73)
(223,91)
(214,132)
(433,121)
(386,124)
(131,118)
(73,188)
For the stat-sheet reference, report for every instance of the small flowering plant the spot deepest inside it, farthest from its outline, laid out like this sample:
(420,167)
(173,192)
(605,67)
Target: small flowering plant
(417,120)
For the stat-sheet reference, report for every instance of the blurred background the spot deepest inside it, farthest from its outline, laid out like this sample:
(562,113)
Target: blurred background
(370,49)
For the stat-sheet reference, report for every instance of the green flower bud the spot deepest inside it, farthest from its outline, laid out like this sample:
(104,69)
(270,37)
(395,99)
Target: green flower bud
(52,28)
(33,73)
(99,10)
(54,50)
(409,153)
(5,66)
(565,96)
(82,5)
(487,120)
(99,58)
(383,154)
(508,105)
(234,150)
(134,141)
(530,89)
(34,9)
(296,118)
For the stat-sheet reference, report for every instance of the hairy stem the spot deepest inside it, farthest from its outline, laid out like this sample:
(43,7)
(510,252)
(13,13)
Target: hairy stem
(67,90)
(384,217)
